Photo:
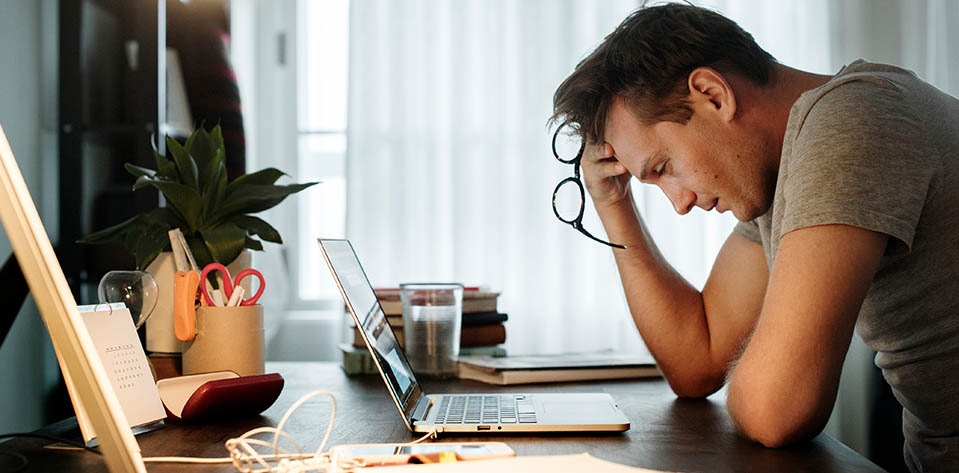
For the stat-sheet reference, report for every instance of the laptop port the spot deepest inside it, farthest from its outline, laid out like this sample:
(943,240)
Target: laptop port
(482,427)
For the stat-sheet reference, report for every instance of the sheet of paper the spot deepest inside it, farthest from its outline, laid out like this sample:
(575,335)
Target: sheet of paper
(111,328)
(582,462)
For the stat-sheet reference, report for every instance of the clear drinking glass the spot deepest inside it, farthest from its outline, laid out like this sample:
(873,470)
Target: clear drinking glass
(432,315)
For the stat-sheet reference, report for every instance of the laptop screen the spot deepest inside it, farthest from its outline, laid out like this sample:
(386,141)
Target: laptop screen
(369,315)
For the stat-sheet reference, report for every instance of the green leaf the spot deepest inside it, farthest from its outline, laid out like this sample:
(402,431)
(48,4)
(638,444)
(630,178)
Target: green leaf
(132,237)
(144,181)
(262,177)
(257,226)
(141,235)
(165,167)
(189,141)
(138,171)
(209,195)
(250,199)
(205,147)
(253,244)
(225,242)
(221,188)
(185,200)
(200,252)
(110,233)
(165,217)
(152,241)
(184,163)
(210,170)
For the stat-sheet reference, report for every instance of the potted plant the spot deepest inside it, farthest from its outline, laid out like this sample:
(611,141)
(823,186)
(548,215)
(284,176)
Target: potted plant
(213,214)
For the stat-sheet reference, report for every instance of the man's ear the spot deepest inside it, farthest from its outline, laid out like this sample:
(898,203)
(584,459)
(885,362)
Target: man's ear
(710,90)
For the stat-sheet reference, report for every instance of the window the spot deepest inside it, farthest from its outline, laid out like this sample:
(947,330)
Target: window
(322,45)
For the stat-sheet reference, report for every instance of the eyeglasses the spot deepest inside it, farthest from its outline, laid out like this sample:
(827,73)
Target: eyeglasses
(569,197)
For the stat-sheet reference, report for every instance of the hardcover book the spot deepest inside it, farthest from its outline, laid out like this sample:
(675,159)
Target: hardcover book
(556,368)
(474,300)
(469,319)
(472,336)
(357,361)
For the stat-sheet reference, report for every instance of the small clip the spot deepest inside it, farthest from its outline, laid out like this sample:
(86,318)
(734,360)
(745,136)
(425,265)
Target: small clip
(109,306)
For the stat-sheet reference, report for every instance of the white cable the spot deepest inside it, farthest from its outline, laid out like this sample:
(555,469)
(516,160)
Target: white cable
(246,459)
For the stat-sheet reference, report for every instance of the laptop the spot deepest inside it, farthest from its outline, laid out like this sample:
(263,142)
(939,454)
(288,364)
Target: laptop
(471,412)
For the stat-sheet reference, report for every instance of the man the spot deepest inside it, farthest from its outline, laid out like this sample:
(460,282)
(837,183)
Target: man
(846,189)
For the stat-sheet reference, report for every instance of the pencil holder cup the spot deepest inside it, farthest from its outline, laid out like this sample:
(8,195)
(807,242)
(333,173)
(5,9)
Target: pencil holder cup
(227,338)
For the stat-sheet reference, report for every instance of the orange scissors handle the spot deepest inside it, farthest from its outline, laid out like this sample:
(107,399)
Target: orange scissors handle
(184,305)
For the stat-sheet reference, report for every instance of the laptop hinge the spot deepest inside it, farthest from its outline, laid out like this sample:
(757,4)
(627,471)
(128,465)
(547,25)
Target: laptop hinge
(422,409)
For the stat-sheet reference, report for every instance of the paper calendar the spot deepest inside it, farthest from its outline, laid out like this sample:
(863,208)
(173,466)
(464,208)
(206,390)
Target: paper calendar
(118,347)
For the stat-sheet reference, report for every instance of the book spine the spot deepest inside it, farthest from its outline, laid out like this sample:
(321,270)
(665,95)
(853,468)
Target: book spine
(469,319)
(482,335)
(494,351)
(395,307)
(359,362)
(474,336)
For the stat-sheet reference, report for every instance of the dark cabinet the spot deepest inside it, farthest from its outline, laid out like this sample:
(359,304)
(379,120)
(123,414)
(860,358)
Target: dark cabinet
(111,85)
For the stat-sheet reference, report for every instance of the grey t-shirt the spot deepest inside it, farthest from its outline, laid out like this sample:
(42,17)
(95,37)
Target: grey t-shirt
(877,148)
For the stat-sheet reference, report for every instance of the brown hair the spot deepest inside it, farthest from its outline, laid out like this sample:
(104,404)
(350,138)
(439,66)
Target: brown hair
(647,60)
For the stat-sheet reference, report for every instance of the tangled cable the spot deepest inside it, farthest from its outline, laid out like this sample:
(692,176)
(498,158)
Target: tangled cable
(246,459)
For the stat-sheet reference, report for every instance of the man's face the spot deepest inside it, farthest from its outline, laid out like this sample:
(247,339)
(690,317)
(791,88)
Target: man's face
(706,163)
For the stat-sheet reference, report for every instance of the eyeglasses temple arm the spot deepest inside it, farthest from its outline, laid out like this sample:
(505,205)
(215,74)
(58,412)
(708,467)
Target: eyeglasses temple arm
(584,232)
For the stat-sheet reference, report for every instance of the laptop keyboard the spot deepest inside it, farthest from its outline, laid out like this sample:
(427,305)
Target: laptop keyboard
(485,409)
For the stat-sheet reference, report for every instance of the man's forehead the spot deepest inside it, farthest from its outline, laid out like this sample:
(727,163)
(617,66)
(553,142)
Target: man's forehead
(624,129)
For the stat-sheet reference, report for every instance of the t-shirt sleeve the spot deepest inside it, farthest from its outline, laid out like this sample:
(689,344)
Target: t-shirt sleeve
(859,159)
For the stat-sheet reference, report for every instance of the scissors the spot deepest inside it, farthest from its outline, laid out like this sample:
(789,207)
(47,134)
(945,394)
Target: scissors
(228,285)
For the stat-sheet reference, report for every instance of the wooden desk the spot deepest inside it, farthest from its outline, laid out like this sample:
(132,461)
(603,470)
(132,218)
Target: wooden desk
(665,434)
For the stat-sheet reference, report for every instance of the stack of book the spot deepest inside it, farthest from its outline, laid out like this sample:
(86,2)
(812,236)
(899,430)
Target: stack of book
(483,328)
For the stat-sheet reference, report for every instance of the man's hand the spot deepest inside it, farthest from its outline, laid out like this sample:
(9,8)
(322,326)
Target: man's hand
(606,179)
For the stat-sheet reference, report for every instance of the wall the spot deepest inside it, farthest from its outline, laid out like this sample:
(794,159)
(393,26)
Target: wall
(28,369)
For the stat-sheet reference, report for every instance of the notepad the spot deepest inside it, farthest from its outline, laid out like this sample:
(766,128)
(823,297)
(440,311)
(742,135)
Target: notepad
(118,347)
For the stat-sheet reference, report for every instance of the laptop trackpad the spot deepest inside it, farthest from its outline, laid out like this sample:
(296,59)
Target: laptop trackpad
(579,411)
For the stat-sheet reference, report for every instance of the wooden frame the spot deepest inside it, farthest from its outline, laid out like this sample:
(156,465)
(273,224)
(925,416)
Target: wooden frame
(59,311)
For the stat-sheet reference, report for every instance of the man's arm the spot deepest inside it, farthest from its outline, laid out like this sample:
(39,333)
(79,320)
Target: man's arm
(693,335)
(784,385)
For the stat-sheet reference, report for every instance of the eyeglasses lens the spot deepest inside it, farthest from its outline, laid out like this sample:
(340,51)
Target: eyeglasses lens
(568,201)
(567,144)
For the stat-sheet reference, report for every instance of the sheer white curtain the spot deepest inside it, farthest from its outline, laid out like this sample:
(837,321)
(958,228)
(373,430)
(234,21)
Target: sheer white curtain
(918,35)
(450,173)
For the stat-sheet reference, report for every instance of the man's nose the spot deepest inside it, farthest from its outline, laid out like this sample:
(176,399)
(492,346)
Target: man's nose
(683,200)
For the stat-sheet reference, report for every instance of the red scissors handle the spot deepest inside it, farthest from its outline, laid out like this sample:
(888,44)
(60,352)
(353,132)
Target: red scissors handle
(227,283)
(258,275)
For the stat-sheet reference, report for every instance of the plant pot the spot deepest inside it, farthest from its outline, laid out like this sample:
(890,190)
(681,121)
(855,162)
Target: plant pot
(160,336)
